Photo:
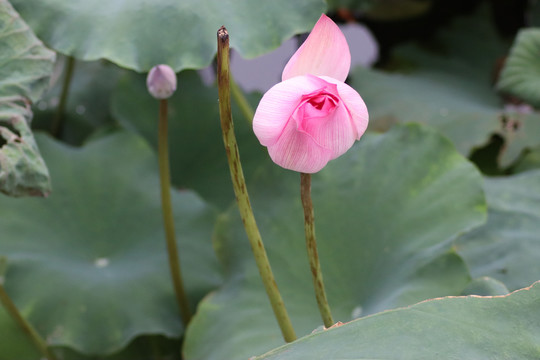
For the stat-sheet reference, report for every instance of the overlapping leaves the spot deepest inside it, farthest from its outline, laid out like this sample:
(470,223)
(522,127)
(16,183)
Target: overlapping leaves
(507,247)
(386,213)
(449,328)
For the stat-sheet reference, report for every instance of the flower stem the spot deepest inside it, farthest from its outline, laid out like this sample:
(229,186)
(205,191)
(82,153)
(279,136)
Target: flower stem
(311,245)
(12,310)
(241,101)
(58,121)
(240,190)
(168,221)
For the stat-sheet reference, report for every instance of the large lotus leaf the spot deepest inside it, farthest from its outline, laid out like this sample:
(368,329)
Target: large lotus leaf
(446,85)
(87,107)
(386,214)
(24,74)
(198,159)
(494,327)
(138,34)
(89,264)
(507,247)
(521,72)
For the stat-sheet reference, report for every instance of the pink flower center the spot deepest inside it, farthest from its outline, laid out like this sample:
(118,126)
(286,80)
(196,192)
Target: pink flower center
(315,108)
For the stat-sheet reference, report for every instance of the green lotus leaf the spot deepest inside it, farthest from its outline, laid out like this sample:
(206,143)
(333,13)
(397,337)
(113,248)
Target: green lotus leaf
(88,265)
(386,214)
(138,34)
(521,72)
(507,247)
(26,66)
(493,327)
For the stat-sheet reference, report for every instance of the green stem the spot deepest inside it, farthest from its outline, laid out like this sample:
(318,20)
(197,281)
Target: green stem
(241,101)
(240,190)
(58,121)
(311,245)
(12,310)
(168,220)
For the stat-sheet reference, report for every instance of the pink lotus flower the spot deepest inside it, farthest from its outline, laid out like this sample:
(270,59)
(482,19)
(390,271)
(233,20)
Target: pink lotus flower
(312,116)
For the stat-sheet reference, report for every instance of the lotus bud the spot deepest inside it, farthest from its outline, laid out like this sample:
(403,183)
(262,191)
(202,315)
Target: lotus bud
(161,82)
(312,116)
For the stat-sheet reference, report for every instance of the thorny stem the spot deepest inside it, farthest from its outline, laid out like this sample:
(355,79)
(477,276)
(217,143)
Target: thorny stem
(240,190)
(12,310)
(58,121)
(168,220)
(311,245)
(241,101)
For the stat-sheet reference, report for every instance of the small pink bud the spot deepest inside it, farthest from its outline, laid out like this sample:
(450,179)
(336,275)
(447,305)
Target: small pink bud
(161,82)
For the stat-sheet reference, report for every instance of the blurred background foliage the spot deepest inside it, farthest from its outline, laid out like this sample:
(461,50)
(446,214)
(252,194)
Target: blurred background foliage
(441,196)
